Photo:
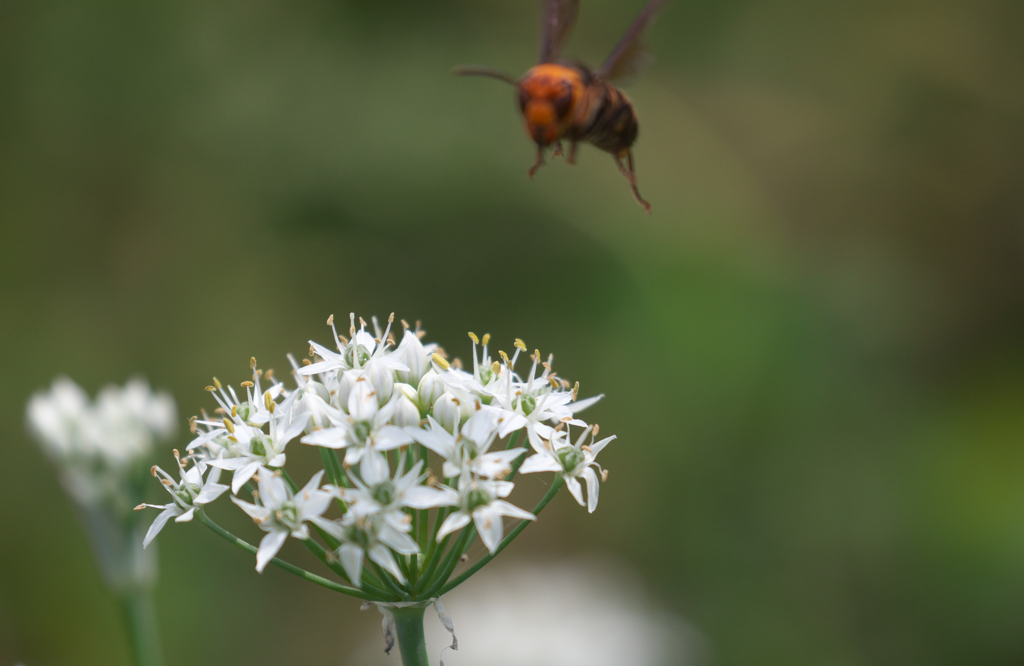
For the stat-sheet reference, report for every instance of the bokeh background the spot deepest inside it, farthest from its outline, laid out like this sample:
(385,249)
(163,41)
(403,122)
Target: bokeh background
(812,350)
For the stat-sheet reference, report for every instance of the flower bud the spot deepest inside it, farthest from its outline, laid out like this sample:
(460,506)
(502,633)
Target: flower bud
(446,412)
(316,401)
(318,389)
(346,380)
(362,401)
(409,392)
(415,358)
(406,412)
(382,379)
(430,389)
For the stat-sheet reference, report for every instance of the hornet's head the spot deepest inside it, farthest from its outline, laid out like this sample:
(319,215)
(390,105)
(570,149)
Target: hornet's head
(548,96)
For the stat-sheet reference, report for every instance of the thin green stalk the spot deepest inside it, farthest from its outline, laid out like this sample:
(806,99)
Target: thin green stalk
(388,580)
(143,629)
(450,562)
(433,556)
(333,468)
(461,578)
(278,562)
(367,583)
(412,644)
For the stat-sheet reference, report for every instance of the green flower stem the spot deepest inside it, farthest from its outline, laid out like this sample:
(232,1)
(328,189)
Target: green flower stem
(369,582)
(388,580)
(433,555)
(442,513)
(334,472)
(403,565)
(555,486)
(450,561)
(411,642)
(143,629)
(290,568)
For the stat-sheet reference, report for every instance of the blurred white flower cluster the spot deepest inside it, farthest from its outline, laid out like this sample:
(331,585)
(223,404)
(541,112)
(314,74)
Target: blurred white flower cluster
(98,445)
(417,450)
(101,450)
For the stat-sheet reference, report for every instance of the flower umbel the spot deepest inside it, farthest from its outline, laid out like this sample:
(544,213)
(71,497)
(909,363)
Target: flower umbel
(419,458)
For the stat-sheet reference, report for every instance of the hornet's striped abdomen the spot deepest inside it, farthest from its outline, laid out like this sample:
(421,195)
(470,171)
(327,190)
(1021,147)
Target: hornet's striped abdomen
(610,123)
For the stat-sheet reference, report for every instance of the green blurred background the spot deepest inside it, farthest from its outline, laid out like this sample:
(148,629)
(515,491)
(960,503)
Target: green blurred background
(812,350)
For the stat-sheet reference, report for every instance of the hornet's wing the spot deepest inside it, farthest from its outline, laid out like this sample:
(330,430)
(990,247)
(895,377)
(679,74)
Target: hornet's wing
(629,57)
(557,19)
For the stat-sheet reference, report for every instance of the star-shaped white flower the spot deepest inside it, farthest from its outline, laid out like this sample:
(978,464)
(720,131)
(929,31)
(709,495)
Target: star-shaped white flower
(257,448)
(572,462)
(378,493)
(187,494)
(479,500)
(280,512)
(371,537)
(354,354)
(467,449)
(365,428)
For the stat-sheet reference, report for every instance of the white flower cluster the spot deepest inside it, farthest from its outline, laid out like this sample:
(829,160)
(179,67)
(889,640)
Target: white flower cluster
(415,433)
(97,445)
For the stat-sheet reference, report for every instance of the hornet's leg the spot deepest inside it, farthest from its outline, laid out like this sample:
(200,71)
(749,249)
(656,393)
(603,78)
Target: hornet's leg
(558,149)
(630,175)
(571,157)
(539,163)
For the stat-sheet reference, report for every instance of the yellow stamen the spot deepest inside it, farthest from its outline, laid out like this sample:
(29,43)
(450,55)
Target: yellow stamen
(472,336)
(216,383)
(520,344)
(247,384)
(330,320)
(229,425)
(487,338)
(440,361)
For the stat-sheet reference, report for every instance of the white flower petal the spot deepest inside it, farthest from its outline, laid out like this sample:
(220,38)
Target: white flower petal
(452,523)
(489,525)
(391,437)
(210,492)
(574,487)
(511,510)
(242,476)
(598,446)
(269,547)
(351,557)
(170,511)
(382,556)
(374,468)
(331,438)
(592,488)
(185,517)
(397,541)
(540,462)
(422,497)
